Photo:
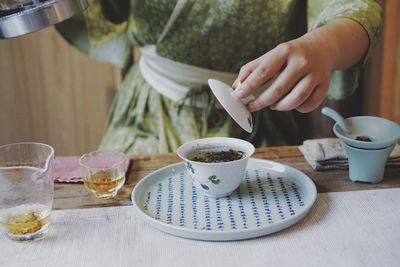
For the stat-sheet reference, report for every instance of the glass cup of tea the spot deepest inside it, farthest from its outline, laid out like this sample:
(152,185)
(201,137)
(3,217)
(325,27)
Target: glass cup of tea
(103,172)
(26,190)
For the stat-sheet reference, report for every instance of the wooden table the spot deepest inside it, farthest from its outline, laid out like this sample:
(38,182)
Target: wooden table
(353,228)
(73,196)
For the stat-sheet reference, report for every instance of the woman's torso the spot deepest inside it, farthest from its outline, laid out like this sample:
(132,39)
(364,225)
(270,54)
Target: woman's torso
(218,35)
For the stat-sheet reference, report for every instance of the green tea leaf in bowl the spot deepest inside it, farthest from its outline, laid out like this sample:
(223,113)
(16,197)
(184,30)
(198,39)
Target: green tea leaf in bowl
(363,138)
(218,156)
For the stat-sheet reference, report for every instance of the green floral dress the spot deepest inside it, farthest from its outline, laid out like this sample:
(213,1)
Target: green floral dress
(219,35)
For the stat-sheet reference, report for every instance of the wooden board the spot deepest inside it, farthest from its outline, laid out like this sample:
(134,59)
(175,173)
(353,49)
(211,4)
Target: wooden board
(390,83)
(381,77)
(52,93)
(69,196)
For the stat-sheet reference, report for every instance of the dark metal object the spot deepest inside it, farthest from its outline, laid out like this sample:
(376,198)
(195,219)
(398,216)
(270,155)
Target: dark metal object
(37,16)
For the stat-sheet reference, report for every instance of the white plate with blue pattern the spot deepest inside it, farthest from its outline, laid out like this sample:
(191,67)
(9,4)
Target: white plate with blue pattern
(271,197)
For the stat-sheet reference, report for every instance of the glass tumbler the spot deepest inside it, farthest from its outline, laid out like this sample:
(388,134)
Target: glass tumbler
(26,190)
(103,172)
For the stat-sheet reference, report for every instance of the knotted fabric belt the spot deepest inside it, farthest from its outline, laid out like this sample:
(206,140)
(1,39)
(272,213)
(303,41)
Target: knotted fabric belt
(174,79)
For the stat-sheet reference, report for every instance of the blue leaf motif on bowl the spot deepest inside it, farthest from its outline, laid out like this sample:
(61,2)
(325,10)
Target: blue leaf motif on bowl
(204,186)
(189,167)
(214,179)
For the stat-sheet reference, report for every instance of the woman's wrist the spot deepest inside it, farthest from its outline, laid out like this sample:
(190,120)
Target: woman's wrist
(343,40)
(324,45)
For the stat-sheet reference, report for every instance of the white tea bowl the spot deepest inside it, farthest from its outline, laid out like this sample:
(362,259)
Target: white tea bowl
(215,179)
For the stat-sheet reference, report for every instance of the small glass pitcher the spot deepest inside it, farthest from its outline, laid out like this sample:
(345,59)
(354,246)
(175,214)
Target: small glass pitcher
(26,190)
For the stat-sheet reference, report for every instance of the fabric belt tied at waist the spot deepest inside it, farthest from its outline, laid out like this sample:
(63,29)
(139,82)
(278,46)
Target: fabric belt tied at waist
(173,79)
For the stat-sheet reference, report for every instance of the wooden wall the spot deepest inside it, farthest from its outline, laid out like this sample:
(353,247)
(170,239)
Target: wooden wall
(381,79)
(51,93)
(389,100)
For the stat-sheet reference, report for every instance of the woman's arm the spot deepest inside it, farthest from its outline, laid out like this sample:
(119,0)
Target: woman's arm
(302,67)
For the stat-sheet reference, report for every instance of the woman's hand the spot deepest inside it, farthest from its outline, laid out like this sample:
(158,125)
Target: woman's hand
(301,68)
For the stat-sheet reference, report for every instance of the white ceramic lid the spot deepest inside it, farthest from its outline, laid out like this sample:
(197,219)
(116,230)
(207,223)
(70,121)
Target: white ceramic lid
(232,104)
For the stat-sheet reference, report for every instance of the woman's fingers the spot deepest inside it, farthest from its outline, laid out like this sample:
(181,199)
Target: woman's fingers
(245,71)
(299,72)
(283,84)
(315,99)
(302,90)
(268,66)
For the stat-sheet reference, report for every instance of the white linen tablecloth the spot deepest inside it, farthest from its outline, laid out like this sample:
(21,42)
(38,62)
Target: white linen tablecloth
(357,228)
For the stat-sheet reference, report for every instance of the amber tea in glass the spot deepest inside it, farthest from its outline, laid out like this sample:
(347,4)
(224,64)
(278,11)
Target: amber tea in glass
(103,172)
(25,220)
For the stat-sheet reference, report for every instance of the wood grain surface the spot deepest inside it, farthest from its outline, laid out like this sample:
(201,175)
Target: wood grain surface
(70,196)
(52,93)
(390,71)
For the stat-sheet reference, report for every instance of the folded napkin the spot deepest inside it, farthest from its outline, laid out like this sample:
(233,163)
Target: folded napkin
(67,169)
(330,153)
